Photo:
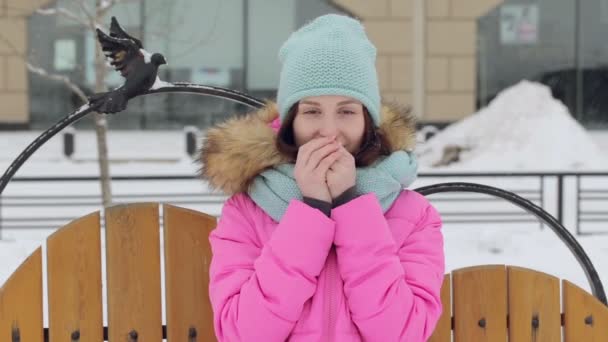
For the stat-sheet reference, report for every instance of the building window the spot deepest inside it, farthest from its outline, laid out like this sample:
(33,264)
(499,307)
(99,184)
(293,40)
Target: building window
(559,43)
(226,43)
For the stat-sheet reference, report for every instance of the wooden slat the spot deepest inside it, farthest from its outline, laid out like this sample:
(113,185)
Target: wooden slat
(187,258)
(133,271)
(21,302)
(534,306)
(74,281)
(443,330)
(585,317)
(480,304)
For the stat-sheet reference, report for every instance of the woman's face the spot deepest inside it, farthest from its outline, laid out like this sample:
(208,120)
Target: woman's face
(329,115)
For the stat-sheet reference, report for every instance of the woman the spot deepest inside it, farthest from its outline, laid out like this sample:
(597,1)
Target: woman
(319,241)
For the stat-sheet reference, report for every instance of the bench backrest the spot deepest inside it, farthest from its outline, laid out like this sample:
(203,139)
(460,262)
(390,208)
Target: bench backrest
(133,273)
(481,303)
(509,303)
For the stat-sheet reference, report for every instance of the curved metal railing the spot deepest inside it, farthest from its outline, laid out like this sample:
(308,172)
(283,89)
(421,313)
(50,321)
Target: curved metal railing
(182,87)
(564,235)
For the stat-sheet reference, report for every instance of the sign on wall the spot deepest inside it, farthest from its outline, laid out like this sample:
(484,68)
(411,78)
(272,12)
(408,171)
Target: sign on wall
(519,24)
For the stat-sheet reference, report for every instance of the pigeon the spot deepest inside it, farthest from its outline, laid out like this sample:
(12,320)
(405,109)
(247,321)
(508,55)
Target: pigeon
(136,65)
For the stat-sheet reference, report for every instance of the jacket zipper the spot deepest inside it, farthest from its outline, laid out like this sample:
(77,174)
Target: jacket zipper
(331,273)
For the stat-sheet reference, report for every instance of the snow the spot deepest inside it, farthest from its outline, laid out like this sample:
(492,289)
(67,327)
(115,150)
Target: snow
(192,130)
(523,128)
(132,152)
(147,55)
(78,111)
(158,83)
(46,11)
(105,4)
(600,138)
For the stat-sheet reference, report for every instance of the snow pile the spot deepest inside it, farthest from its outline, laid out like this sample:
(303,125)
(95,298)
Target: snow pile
(523,128)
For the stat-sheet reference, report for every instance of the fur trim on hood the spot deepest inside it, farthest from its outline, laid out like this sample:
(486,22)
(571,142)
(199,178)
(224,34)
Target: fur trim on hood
(233,153)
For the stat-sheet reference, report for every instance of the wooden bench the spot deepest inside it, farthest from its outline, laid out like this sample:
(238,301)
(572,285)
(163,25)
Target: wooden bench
(481,303)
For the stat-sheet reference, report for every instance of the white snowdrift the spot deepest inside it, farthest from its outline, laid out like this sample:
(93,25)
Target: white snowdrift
(523,129)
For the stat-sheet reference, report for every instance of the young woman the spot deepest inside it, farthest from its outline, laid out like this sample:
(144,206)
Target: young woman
(319,240)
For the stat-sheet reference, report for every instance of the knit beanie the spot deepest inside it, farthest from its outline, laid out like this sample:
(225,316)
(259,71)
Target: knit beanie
(329,56)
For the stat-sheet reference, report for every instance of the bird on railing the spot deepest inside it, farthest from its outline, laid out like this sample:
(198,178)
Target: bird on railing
(136,65)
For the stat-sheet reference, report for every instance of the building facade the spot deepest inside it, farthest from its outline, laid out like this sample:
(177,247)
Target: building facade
(446,57)
(449,45)
(14,16)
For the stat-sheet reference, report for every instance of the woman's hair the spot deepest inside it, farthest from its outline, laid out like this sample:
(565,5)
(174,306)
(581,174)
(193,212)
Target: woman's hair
(373,145)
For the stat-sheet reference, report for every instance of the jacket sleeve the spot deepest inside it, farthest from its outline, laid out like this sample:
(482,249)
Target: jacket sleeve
(257,290)
(393,292)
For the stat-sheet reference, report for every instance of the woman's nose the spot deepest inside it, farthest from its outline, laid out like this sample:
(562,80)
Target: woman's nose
(329,128)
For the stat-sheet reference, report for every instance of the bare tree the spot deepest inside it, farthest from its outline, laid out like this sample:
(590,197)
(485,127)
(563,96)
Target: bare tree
(84,15)
(101,125)
(91,19)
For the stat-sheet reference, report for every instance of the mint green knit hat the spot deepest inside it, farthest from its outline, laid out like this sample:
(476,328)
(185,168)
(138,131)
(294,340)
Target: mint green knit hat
(329,56)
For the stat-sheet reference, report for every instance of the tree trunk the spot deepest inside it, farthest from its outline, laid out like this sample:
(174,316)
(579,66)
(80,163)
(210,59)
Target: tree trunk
(100,130)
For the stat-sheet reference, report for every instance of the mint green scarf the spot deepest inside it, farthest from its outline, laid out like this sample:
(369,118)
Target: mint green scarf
(274,188)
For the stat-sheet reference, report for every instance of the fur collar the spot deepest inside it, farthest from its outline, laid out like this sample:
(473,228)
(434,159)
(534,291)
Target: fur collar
(233,153)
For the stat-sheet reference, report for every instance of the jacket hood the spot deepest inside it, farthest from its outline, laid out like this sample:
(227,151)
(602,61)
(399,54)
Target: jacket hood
(234,152)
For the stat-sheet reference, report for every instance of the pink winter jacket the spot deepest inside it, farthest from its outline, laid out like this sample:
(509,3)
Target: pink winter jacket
(360,275)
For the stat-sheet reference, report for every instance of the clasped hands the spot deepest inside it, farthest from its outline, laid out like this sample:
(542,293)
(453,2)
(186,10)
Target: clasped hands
(324,169)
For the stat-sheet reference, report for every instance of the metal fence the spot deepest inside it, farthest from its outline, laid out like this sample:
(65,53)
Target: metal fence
(581,195)
(581,199)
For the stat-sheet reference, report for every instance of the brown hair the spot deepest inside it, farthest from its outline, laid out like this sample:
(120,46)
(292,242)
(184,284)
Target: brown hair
(374,144)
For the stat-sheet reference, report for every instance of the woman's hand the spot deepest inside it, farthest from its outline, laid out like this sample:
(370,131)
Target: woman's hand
(341,175)
(312,165)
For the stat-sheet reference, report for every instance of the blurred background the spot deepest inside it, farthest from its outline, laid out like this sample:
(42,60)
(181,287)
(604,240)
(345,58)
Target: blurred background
(466,53)
(507,93)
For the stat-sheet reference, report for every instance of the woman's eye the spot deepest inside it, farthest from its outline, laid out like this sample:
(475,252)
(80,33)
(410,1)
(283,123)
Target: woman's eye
(348,112)
(312,111)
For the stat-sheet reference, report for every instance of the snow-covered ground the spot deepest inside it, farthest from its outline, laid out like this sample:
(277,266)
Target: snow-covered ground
(537,127)
(523,128)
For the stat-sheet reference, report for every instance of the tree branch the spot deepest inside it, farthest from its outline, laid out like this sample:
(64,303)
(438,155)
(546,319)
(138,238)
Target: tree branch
(40,71)
(59,78)
(64,12)
(104,6)
(88,11)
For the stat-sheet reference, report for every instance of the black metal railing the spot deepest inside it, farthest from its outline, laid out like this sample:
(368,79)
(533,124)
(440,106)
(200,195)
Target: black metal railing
(534,187)
(595,197)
